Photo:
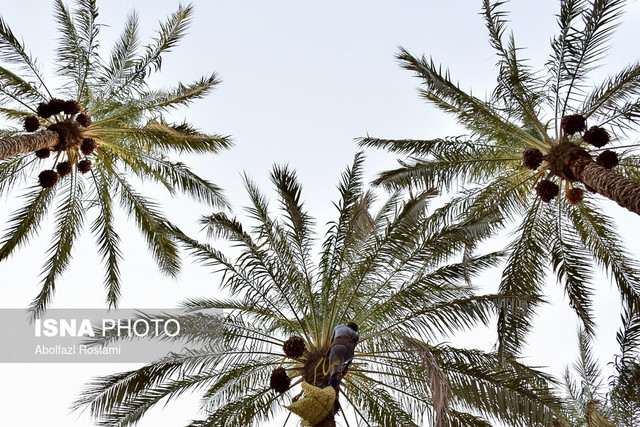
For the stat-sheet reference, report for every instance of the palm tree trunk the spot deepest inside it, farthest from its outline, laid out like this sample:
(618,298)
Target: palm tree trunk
(329,420)
(14,145)
(608,183)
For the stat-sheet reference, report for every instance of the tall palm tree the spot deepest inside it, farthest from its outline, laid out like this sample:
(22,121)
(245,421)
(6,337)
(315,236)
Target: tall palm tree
(103,127)
(532,133)
(387,272)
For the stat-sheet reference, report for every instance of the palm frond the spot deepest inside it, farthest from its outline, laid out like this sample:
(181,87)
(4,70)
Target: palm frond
(163,137)
(606,97)
(26,221)
(561,44)
(151,223)
(103,394)
(13,51)
(594,228)
(523,275)
(478,116)
(169,34)
(378,406)
(107,237)
(15,88)
(440,390)
(179,178)
(572,267)
(517,88)
(588,44)
(493,386)
(624,385)
(88,30)
(69,224)
(14,170)
(417,147)
(122,57)
(71,52)
(300,225)
(451,169)
(623,116)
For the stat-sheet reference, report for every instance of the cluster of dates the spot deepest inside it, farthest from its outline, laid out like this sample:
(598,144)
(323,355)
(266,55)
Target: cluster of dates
(68,120)
(532,158)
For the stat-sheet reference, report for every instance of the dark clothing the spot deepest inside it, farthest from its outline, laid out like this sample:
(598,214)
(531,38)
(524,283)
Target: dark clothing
(343,344)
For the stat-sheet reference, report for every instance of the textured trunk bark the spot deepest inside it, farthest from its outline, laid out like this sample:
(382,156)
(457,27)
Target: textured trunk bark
(14,145)
(329,421)
(608,183)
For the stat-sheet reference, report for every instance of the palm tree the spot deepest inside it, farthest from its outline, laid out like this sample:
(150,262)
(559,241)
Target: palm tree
(624,388)
(107,127)
(530,134)
(589,406)
(387,272)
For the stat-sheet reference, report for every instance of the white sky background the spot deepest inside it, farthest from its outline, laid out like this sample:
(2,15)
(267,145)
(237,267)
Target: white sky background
(300,82)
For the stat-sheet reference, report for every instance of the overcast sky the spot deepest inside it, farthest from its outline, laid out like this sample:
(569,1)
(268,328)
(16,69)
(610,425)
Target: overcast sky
(300,81)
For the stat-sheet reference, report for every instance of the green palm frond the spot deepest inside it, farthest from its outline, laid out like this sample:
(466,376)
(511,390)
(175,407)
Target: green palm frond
(69,224)
(607,97)
(26,220)
(588,44)
(624,116)
(415,147)
(450,169)
(169,34)
(476,115)
(593,227)
(107,237)
(570,264)
(561,44)
(151,224)
(501,390)
(517,88)
(14,170)
(122,57)
(13,51)
(523,274)
(72,52)
(15,88)
(624,385)
(161,137)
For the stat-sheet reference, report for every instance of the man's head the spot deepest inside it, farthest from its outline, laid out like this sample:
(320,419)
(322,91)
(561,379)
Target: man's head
(352,326)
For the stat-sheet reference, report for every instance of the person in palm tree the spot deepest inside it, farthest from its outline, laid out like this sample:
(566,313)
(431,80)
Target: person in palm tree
(341,352)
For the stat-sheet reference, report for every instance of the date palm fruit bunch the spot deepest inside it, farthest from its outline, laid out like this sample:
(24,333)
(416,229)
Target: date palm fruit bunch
(71,123)
(559,160)
(294,347)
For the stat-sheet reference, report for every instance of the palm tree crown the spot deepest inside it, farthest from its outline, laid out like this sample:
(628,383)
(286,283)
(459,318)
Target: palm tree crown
(103,126)
(539,130)
(386,272)
(589,406)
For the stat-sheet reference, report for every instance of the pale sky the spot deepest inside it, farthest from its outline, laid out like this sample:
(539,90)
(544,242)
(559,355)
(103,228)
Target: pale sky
(300,81)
